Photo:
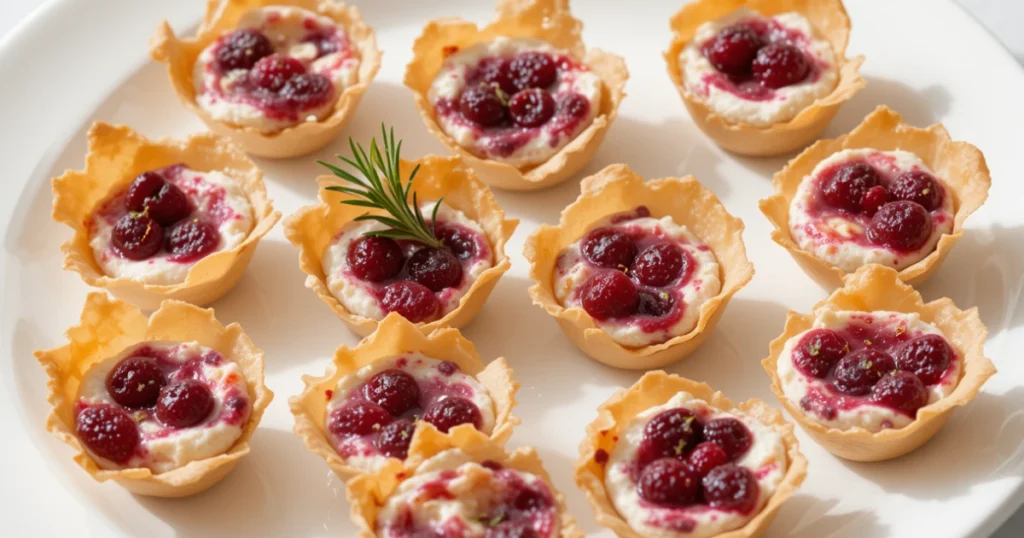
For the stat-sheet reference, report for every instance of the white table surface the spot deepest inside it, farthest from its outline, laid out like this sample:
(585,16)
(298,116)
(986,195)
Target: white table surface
(1002,17)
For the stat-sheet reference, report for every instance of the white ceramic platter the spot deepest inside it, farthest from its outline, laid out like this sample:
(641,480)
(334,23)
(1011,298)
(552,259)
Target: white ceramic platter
(77,61)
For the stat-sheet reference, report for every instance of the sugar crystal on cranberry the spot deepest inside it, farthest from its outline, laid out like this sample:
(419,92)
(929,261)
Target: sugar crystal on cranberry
(375,258)
(184,404)
(928,357)
(135,382)
(394,390)
(435,268)
(533,70)
(531,108)
(609,294)
(778,65)
(242,49)
(920,187)
(658,265)
(669,481)
(358,418)
(451,411)
(136,236)
(902,391)
(847,186)
(395,438)
(731,487)
(482,105)
(192,239)
(730,434)
(672,433)
(732,51)
(857,372)
(108,432)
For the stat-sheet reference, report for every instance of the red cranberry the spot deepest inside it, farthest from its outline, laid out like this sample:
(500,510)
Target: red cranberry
(358,418)
(482,105)
(394,390)
(375,258)
(819,351)
(705,457)
(857,372)
(531,108)
(658,265)
(901,225)
(242,49)
(452,411)
(159,199)
(460,241)
(668,481)
(902,391)
(730,434)
(395,438)
(184,404)
(927,357)
(307,90)
(606,247)
(609,294)
(670,434)
(272,72)
(414,302)
(324,42)
(846,188)
(874,199)
(655,304)
(731,487)
(108,432)
(531,500)
(733,50)
(511,529)
(435,268)
(137,237)
(778,65)
(533,70)
(497,71)
(192,239)
(920,187)
(135,382)
(573,106)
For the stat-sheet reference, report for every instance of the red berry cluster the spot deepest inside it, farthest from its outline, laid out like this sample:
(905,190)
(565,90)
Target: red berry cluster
(744,53)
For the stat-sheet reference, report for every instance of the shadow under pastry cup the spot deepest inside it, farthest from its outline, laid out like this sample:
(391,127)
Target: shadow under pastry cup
(618,189)
(959,165)
(547,20)
(117,154)
(221,17)
(395,337)
(875,288)
(109,326)
(369,493)
(313,228)
(829,20)
(654,389)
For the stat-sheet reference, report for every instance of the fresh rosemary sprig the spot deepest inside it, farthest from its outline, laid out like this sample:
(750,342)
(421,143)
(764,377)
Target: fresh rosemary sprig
(381,188)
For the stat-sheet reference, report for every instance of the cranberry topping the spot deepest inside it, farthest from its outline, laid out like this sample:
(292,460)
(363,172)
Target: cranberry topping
(532,70)
(919,187)
(482,105)
(705,457)
(655,304)
(272,72)
(846,188)
(136,236)
(609,294)
(927,357)
(324,42)
(447,368)
(160,200)
(242,49)
(901,225)
(358,418)
(184,404)
(857,372)
(497,71)
(395,438)
(658,265)
(733,50)
(414,302)
(731,487)
(531,108)
(730,434)
(609,248)
(671,434)
(669,481)
(819,351)
(874,199)
(192,239)
(108,432)
(136,382)
(778,65)
(573,106)
(449,412)
(902,391)
(394,390)
(460,241)
(530,500)
(375,258)
(511,529)
(308,90)
(435,268)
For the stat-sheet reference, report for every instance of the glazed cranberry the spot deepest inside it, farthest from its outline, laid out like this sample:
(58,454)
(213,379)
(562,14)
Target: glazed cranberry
(705,457)
(531,108)
(819,351)
(668,481)
(846,188)
(192,239)
(857,372)
(573,106)
(375,258)
(730,434)
(874,199)
(307,90)
(324,42)
(395,438)
(497,72)
(482,105)
(658,265)
(160,200)
(530,500)
(655,304)
(414,302)
(447,368)
(394,390)
(511,529)
(609,294)
(184,404)
(902,391)
(731,487)
(927,357)
(452,411)
(135,382)
(670,434)
(920,187)
(271,73)
(778,65)
(609,248)
(435,268)
(137,237)
(733,50)
(532,70)
(242,49)
(460,241)
(901,225)
(108,432)
(358,418)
